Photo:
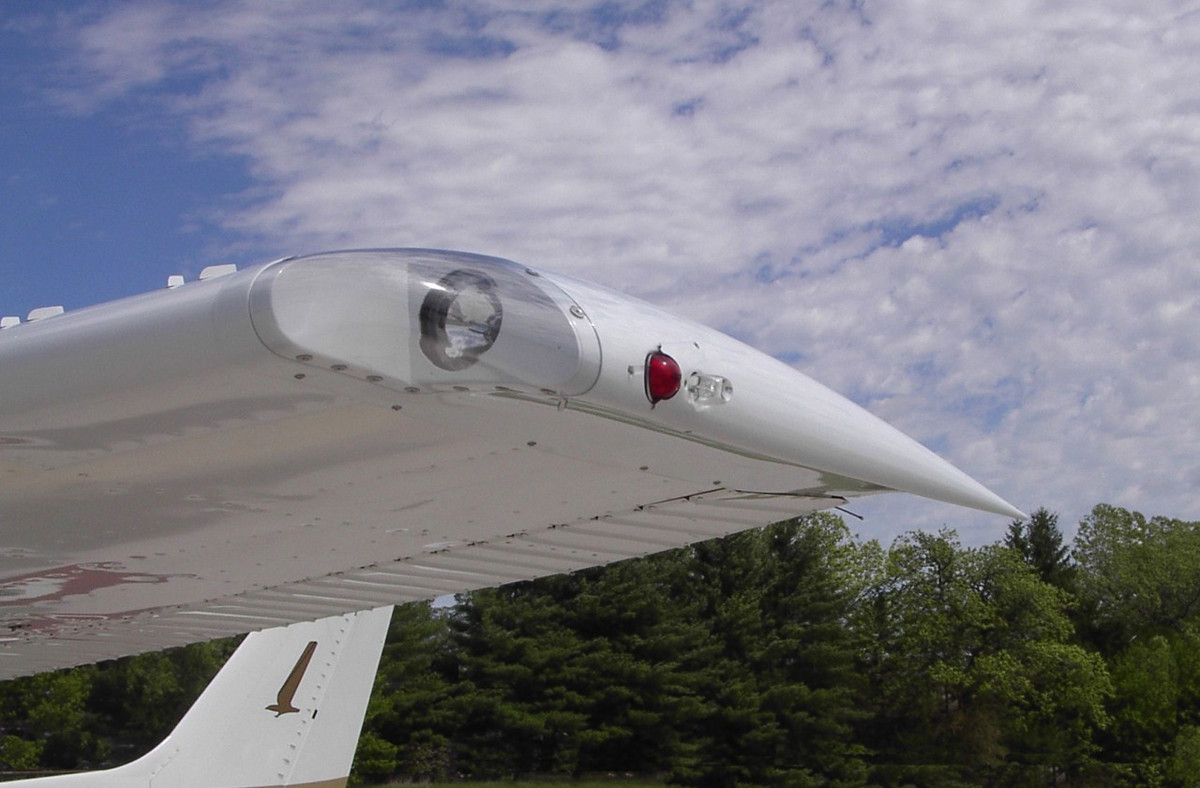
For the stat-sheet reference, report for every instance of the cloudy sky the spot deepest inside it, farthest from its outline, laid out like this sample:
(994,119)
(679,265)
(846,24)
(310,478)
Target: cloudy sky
(979,221)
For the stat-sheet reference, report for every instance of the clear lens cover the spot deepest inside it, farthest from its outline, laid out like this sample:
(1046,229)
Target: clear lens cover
(411,317)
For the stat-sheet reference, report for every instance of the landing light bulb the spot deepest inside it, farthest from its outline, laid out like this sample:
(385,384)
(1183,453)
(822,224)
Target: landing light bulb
(460,319)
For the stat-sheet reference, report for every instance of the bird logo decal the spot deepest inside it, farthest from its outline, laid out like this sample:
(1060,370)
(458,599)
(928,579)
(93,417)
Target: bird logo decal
(283,700)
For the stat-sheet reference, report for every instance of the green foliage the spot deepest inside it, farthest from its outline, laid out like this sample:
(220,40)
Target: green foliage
(1139,597)
(1147,695)
(791,694)
(47,714)
(99,715)
(975,663)
(728,662)
(1039,543)
(573,674)
(1139,577)
(137,700)
(607,781)
(790,656)
(404,733)
(19,754)
(1184,765)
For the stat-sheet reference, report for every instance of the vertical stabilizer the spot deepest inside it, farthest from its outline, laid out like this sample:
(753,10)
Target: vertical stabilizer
(285,710)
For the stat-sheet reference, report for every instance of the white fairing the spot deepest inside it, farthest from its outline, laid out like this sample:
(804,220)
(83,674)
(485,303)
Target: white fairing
(363,312)
(771,409)
(239,735)
(327,433)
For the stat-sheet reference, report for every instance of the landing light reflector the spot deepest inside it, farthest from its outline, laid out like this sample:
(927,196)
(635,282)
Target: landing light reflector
(460,319)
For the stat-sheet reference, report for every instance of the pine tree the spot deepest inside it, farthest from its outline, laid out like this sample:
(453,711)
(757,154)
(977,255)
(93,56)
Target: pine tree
(1039,543)
(410,720)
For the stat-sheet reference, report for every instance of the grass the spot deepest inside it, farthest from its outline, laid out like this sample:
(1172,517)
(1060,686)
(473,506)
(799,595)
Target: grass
(610,782)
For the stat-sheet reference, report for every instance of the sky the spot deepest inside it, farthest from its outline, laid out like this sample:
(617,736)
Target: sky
(979,221)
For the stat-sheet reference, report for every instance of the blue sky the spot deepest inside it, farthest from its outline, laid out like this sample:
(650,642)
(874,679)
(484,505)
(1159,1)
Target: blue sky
(979,222)
(95,204)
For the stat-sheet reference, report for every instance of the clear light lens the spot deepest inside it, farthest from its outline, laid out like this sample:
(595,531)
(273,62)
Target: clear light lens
(708,389)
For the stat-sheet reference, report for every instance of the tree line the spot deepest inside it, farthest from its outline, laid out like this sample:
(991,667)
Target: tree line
(794,655)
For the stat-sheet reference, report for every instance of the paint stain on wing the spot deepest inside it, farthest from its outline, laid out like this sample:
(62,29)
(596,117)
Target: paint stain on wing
(65,581)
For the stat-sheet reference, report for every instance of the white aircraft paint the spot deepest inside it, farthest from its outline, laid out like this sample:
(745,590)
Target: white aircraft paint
(321,434)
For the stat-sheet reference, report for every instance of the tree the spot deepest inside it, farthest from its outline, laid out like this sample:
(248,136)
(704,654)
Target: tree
(728,662)
(49,724)
(138,700)
(1139,586)
(577,673)
(516,715)
(810,662)
(1138,577)
(976,666)
(410,720)
(1039,543)
(781,695)
(1184,766)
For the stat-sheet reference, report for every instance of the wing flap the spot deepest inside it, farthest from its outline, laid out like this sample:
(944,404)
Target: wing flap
(533,553)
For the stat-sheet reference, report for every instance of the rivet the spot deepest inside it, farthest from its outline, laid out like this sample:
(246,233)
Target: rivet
(304,357)
(412,389)
(374,378)
(299,376)
(461,388)
(338,367)
(397,407)
(643,467)
(531,443)
(577,310)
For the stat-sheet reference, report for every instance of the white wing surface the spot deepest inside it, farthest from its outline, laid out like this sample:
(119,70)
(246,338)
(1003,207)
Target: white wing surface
(331,433)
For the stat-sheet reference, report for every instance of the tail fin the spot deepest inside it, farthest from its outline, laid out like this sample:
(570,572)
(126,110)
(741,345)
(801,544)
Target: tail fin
(286,710)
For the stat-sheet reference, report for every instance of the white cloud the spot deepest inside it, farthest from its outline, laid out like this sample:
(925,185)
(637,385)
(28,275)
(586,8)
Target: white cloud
(980,221)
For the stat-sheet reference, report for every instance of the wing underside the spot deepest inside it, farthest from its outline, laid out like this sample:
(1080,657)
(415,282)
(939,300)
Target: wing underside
(328,434)
(353,505)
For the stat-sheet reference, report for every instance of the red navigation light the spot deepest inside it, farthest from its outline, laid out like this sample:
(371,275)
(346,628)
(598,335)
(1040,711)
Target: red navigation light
(663,377)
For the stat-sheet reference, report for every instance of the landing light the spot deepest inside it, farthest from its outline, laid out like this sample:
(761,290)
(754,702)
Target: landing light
(460,319)
(663,377)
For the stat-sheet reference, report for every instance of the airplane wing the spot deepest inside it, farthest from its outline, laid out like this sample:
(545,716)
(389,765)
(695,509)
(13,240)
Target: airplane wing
(325,434)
